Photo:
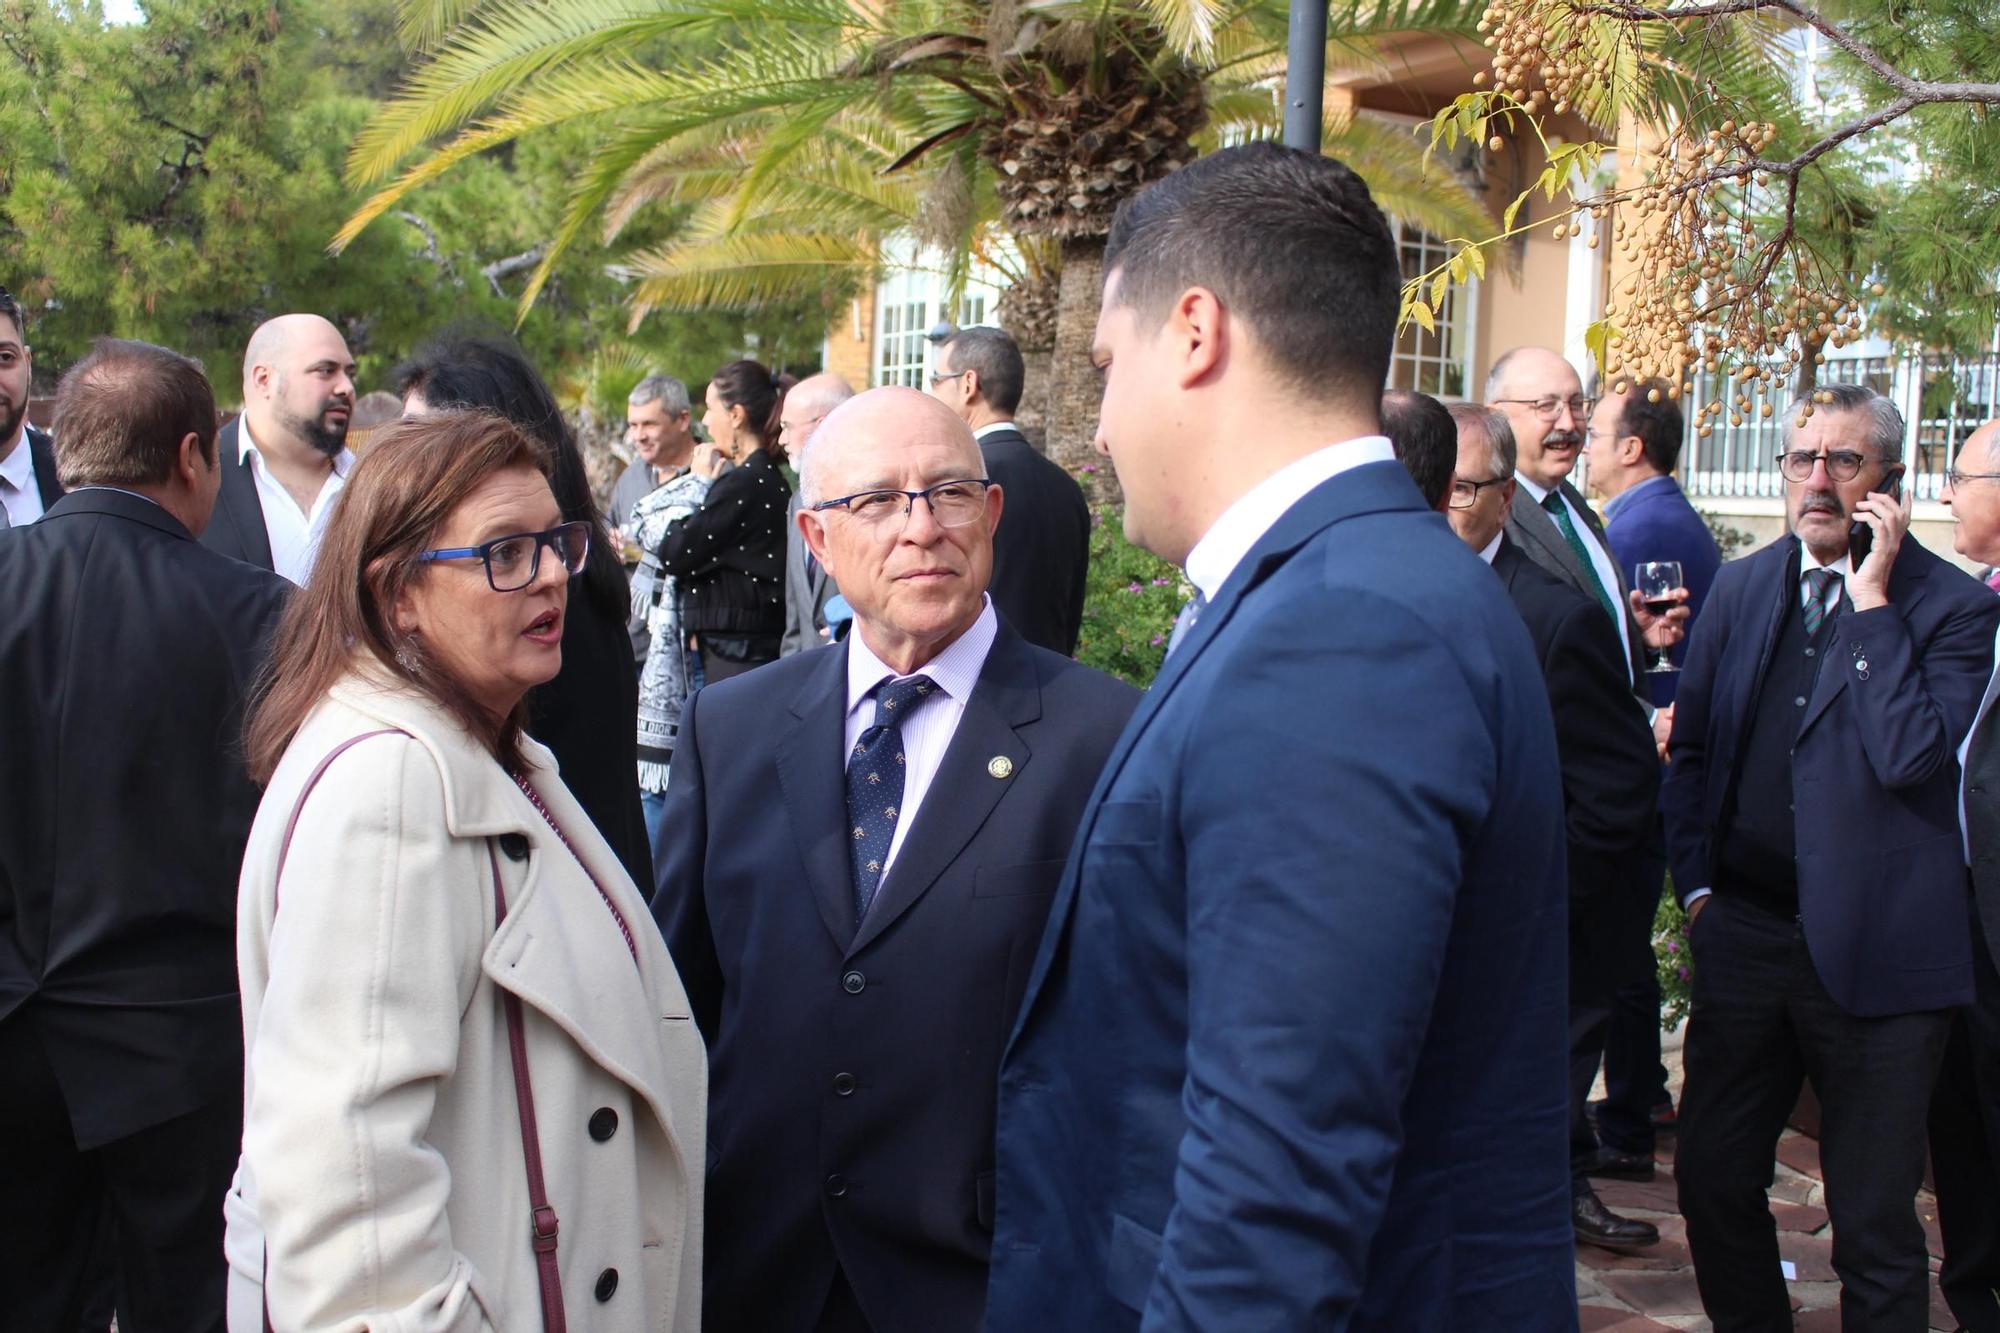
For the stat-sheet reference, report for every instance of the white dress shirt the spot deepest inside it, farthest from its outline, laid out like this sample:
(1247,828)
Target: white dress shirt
(295,533)
(18,491)
(1493,547)
(1986,702)
(1600,559)
(991,427)
(930,724)
(1242,525)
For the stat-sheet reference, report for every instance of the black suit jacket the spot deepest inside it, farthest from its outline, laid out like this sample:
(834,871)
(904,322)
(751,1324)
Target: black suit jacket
(42,453)
(853,1076)
(1530,526)
(125,653)
(1041,553)
(237,527)
(1610,768)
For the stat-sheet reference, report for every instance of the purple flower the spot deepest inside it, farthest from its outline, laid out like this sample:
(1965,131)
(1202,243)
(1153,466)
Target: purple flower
(1090,469)
(1672,947)
(1159,639)
(1684,974)
(1161,583)
(1133,588)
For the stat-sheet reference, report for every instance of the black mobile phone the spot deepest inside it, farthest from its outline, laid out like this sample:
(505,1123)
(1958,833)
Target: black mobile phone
(1861,537)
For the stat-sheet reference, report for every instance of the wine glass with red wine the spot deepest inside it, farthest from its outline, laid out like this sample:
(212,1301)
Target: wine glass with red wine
(1657,582)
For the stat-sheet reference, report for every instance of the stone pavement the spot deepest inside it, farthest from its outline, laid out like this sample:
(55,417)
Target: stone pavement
(1654,1289)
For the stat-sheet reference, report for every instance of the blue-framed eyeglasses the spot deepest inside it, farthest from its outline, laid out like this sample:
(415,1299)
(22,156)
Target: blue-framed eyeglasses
(953,503)
(512,562)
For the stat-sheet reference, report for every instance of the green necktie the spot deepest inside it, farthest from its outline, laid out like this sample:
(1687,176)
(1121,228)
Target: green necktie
(1553,502)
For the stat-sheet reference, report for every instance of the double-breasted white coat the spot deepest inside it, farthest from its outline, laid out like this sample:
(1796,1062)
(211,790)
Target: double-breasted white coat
(382,1184)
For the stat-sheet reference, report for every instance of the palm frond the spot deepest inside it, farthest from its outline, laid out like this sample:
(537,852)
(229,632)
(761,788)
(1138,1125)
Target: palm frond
(743,271)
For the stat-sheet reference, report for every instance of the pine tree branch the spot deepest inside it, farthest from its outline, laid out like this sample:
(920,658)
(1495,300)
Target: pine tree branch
(500,268)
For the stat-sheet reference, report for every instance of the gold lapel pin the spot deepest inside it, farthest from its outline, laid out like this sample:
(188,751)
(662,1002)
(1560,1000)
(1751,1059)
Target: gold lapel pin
(1000,766)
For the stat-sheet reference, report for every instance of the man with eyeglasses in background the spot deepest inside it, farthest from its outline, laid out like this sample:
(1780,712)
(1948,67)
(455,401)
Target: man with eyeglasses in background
(1812,824)
(1965,1109)
(807,586)
(856,973)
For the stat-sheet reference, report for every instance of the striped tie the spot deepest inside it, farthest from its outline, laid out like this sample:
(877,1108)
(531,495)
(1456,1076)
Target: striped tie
(1824,592)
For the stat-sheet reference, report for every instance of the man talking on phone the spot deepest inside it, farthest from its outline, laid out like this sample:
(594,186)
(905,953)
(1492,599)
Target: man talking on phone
(1812,828)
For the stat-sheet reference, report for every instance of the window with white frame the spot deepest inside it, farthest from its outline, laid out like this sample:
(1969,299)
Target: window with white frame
(1434,363)
(909,302)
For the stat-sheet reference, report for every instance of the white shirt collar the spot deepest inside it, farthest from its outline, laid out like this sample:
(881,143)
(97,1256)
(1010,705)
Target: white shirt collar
(1809,562)
(19,466)
(1242,525)
(1493,547)
(991,427)
(955,670)
(246,446)
(1536,491)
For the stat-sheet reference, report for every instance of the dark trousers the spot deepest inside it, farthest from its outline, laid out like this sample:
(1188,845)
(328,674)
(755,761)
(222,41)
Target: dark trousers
(842,1313)
(1634,1079)
(1762,1022)
(1610,945)
(158,1192)
(1965,1151)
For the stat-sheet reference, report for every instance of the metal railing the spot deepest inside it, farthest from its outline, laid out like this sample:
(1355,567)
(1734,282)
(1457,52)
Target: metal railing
(1942,398)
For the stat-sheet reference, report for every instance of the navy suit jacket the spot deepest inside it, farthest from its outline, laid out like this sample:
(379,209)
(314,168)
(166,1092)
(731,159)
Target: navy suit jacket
(126,653)
(1294,1051)
(853,1073)
(1656,522)
(1881,868)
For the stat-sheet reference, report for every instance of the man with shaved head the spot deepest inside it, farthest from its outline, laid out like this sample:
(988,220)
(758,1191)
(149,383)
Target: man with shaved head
(856,973)
(806,583)
(285,458)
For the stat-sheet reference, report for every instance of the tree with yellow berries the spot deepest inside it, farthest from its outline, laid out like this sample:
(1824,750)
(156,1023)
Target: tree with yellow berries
(1807,179)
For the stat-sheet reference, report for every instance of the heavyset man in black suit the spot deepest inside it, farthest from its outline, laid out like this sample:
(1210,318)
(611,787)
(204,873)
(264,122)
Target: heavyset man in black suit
(1041,554)
(28,485)
(855,1014)
(1812,821)
(126,650)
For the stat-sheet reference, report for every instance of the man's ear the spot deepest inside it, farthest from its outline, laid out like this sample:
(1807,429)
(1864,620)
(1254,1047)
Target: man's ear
(1200,327)
(1631,449)
(812,531)
(191,462)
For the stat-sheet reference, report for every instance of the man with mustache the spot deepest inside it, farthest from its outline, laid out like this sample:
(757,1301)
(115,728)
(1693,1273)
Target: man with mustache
(857,853)
(28,484)
(1812,824)
(1541,397)
(286,457)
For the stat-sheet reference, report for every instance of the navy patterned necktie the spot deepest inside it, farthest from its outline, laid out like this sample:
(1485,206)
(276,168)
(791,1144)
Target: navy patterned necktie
(1184,622)
(1821,599)
(875,786)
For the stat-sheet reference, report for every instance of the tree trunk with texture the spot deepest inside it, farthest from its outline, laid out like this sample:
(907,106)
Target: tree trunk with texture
(1032,415)
(1074,388)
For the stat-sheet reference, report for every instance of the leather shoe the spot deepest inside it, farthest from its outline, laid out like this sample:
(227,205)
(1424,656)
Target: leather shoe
(1600,1226)
(1610,1164)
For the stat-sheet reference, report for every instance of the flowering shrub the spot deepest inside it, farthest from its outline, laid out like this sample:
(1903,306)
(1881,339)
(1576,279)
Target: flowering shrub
(1675,962)
(1130,603)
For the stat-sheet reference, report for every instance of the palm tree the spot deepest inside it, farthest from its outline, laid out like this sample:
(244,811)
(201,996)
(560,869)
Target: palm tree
(805,130)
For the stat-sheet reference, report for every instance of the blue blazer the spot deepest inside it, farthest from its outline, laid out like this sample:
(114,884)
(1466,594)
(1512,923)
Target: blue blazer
(1293,1052)
(1656,522)
(852,1072)
(1882,878)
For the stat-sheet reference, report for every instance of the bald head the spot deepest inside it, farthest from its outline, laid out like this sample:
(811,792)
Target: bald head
(298,387)
(1542,397)
(858,443)
(808,404)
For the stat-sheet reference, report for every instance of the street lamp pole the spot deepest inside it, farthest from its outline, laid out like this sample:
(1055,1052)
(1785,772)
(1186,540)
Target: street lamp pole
(1305,74)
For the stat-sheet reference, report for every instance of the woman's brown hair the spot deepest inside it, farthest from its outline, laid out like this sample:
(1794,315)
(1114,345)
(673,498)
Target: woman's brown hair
(413,476)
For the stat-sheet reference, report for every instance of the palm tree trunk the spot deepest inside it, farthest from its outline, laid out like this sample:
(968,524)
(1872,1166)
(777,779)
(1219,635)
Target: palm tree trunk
(1074,390)
(1032,415)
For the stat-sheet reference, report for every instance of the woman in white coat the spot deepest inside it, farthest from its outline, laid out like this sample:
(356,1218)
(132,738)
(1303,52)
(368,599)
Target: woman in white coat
(420,895)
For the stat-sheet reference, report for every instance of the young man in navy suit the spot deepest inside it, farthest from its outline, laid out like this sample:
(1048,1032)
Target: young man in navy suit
(1292,1053)
(1813,825)
(858,850)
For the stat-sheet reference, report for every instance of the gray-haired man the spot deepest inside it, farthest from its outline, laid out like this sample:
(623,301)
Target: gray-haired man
(660,429)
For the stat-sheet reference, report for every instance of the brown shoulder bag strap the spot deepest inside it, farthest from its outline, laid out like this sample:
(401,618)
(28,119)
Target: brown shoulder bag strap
(542,1223)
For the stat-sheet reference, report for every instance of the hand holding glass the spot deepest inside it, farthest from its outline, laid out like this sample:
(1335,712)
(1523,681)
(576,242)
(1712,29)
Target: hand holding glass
(1657,581)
